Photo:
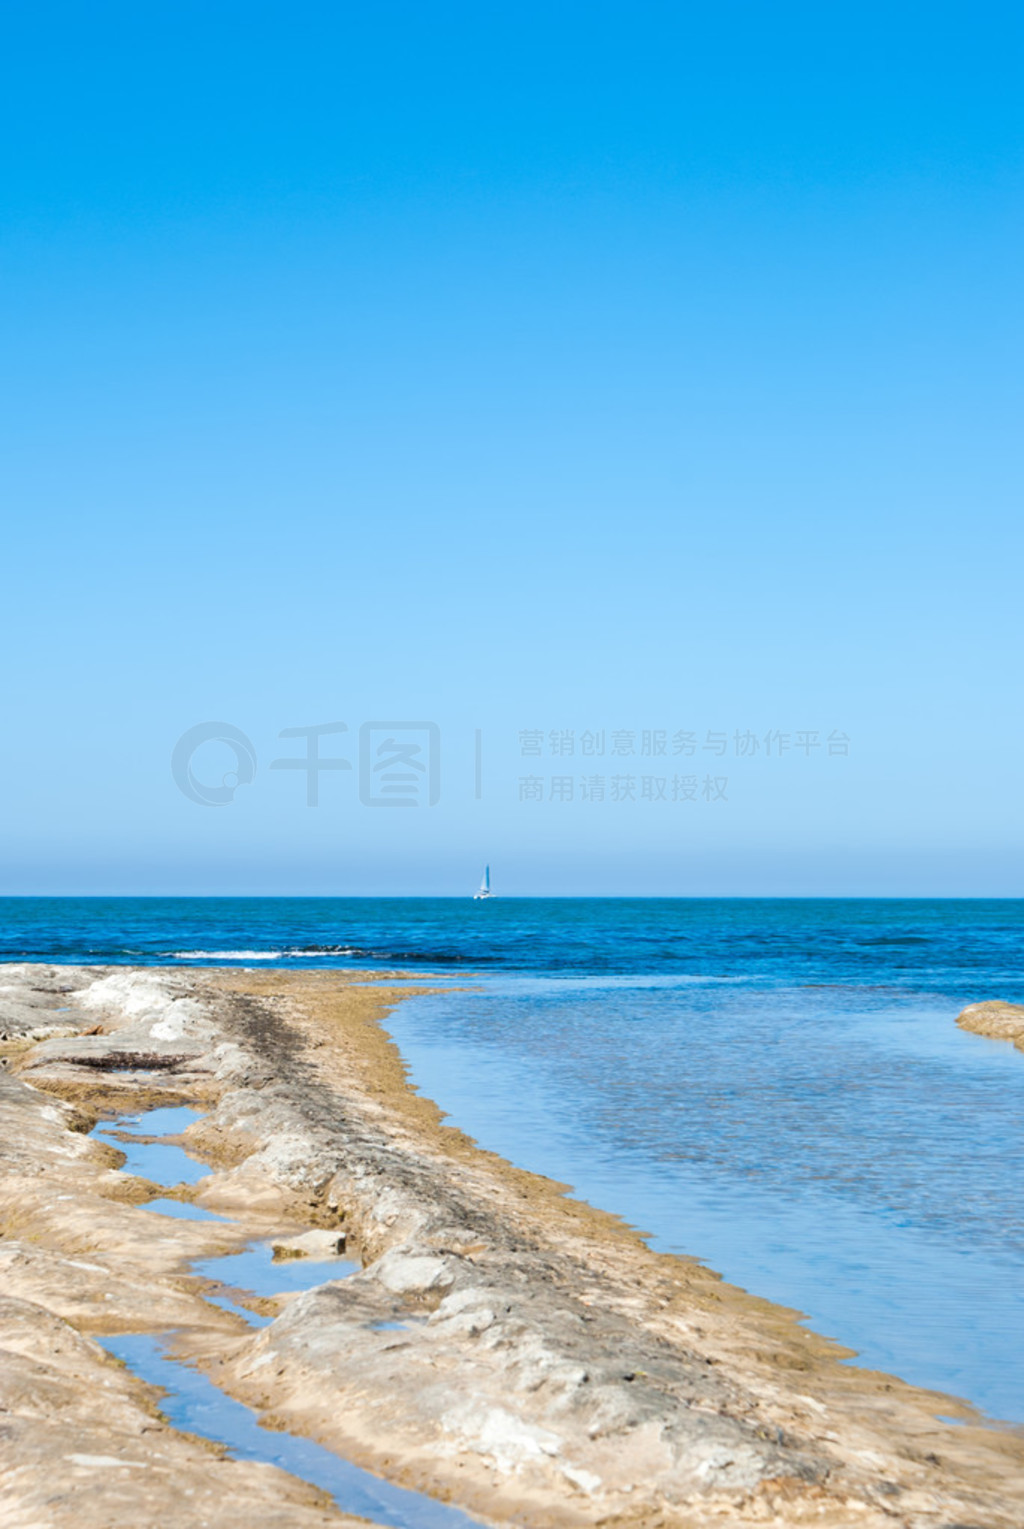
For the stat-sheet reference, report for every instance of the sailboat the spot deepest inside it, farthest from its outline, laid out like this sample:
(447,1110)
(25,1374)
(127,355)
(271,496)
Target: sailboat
(485,886)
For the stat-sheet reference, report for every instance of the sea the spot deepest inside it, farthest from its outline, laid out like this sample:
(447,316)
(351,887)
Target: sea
(776,1087)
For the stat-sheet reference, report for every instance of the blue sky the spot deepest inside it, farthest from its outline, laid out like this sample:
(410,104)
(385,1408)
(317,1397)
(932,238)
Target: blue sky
(551,368)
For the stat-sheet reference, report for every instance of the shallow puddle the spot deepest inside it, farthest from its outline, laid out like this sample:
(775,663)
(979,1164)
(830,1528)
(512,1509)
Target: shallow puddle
(181,1210)
(193,1402)
(170,1120)
(159,1161)
(255,1271)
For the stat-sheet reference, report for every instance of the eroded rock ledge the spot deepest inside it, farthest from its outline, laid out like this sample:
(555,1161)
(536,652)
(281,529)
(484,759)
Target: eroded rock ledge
(999,1021)
(547,1368)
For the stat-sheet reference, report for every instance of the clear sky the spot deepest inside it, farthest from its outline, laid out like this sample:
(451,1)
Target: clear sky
(524,369)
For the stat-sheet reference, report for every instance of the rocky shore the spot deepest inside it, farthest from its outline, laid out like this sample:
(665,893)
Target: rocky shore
(502,1347)
(995,1019)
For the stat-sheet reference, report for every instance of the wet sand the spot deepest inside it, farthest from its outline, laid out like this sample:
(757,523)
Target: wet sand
(549,1368)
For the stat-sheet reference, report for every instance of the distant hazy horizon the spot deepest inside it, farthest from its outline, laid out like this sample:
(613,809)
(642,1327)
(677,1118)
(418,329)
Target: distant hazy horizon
(454,897)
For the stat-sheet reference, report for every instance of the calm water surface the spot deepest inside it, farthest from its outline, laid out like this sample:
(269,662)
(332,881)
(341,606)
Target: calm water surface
(851,1154)
(777,1087)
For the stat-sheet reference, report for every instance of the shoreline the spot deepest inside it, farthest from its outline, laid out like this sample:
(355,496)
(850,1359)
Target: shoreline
(563,1372)
(996,1020)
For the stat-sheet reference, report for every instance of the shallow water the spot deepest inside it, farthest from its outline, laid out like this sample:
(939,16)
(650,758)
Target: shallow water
(855,1156)
(774,1085)
(194,1403)
(255,1271)
(181,1210)
(168,1120)
(160,1162)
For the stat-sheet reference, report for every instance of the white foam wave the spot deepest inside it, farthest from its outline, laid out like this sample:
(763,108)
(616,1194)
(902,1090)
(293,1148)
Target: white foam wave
(226,955)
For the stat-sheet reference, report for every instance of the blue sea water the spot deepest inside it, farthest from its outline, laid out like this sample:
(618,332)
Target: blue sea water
(775,1086)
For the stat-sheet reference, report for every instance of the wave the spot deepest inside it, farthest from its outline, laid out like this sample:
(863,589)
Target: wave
(224,955)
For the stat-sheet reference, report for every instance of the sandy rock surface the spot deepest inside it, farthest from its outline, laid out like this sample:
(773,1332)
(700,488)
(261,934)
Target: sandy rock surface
(503,1346)
(82,1442)
(84,1446)
(999,1021)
